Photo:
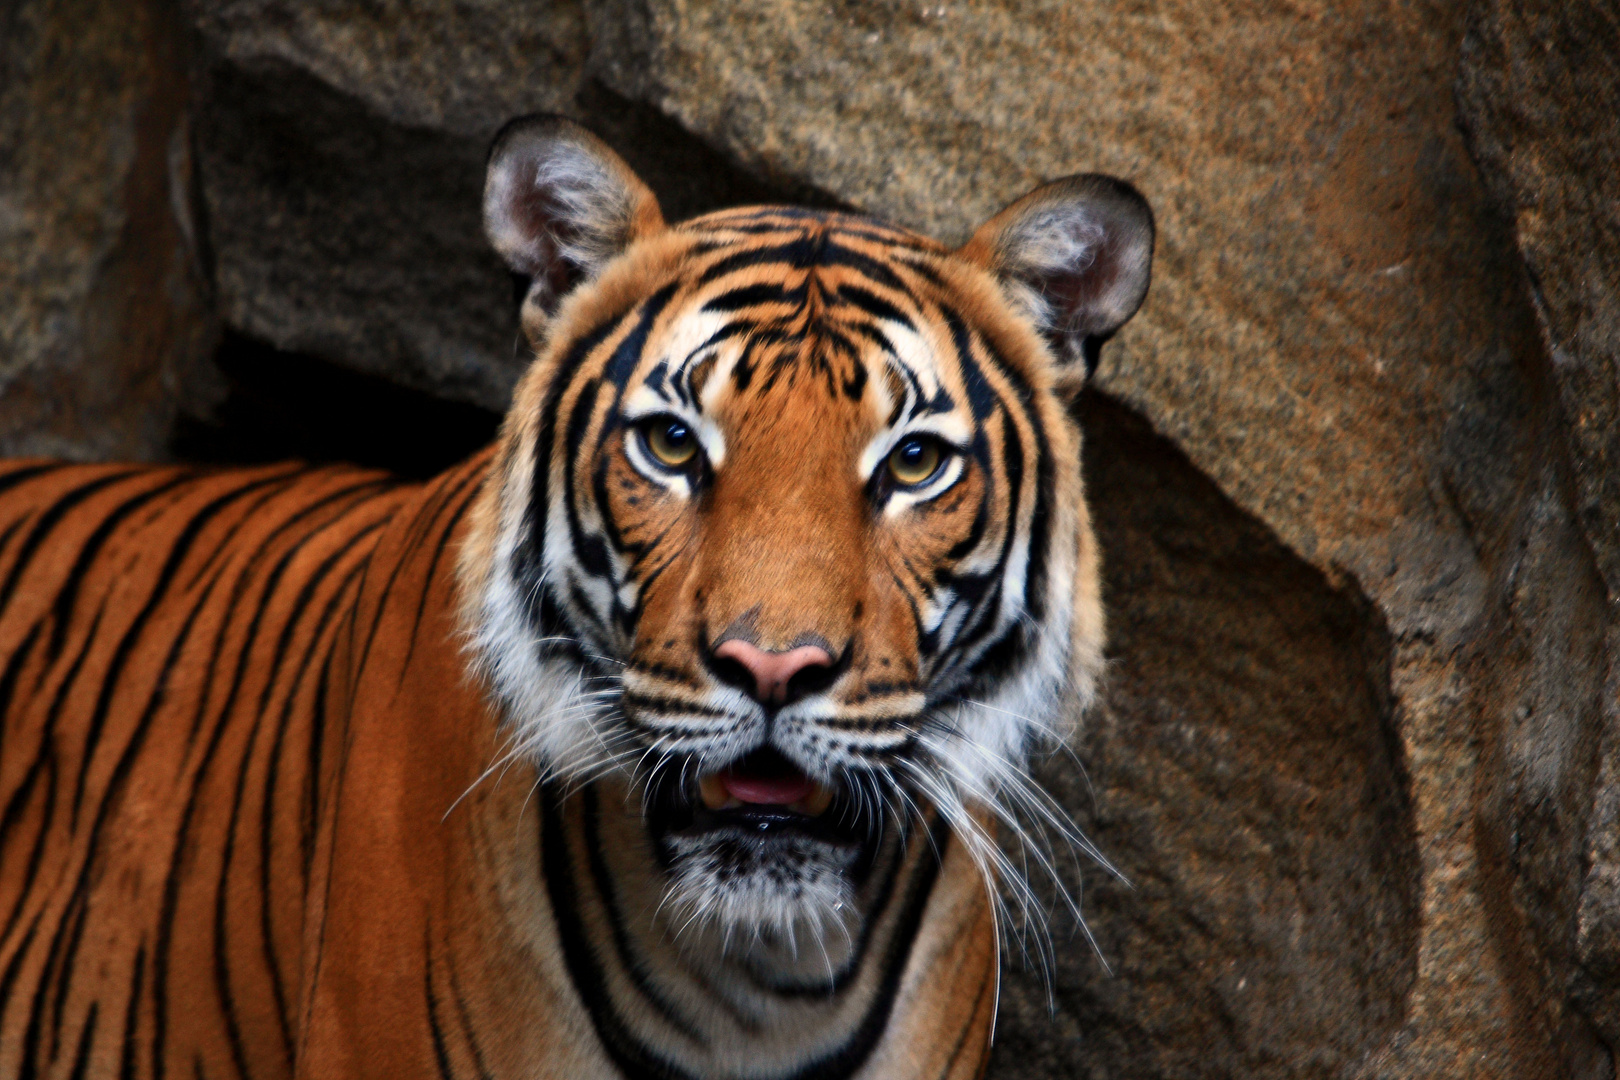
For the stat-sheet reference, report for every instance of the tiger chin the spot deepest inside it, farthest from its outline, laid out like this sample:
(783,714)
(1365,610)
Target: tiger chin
(670,737)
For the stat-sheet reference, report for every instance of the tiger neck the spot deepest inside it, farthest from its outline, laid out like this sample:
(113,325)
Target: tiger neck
(669,997)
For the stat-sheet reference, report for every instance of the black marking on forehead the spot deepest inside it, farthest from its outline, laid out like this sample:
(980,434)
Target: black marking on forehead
(628,355)
(749,295)
(655,378)
(981,396)
(838,255)
(875,335)
(873,304)
(799,253)
(941,402)
(855,386)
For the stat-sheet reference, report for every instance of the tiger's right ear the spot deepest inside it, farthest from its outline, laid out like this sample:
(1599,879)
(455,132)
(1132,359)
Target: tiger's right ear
(558,206)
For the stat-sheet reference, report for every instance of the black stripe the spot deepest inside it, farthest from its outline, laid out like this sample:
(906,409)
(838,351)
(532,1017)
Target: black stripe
(9,979)
(527,563)
(48,521)
(961,1039)
(126,645)
(68,594)
(608,896)
(745,296)
(848,1058)
(634,1060)
(798,253)
(445,535)
(222,974)
(318,644)
(874,305)
(466,1024)
(59,1006)
(28,472)
(441,1053)
(87,1036)
(132,1016)
(46,757)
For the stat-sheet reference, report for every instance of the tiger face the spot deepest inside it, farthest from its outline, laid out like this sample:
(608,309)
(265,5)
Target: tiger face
(786,534)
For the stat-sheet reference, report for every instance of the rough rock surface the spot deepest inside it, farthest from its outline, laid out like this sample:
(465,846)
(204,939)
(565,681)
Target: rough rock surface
(103,305)
(1539,92)
(341,150)
(1339,337)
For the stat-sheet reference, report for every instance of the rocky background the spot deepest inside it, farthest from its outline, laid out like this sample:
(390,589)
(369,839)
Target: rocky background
(1356,465)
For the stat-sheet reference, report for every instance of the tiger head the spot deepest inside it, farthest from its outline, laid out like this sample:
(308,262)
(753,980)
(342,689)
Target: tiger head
(786,528)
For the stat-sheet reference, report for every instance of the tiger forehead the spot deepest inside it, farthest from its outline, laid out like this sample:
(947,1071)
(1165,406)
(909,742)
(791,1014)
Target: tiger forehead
(784,300)
(765,222)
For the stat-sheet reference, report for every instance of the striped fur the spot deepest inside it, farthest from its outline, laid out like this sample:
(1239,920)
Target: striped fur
(311,772)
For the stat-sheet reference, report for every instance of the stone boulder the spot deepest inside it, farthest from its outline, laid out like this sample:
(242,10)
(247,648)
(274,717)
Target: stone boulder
(341,149)
(1539,94)
(105,323)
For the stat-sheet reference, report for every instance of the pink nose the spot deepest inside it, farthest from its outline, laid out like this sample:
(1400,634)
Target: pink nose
(773,670)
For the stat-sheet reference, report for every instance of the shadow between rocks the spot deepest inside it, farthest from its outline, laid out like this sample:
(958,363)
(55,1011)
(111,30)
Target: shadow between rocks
(279,406)
(1243,772)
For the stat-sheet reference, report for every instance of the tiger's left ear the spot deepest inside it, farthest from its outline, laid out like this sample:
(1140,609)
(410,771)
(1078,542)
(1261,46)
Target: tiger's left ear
(558,207)
(1076,254)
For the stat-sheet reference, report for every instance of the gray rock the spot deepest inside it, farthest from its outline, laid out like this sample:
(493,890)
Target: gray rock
(341,152)
(104,321)
(338,235)
(463,67)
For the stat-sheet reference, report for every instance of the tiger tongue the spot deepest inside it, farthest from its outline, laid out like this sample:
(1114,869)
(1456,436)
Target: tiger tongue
(782,790)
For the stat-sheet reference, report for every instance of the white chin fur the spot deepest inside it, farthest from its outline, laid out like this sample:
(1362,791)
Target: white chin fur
(785,892)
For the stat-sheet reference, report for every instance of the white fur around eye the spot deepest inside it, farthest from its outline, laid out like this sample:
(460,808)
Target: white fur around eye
(904,499)
(672,480)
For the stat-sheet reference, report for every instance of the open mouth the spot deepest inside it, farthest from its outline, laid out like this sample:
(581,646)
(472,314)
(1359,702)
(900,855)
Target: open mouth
(761,847)
(764,780)
(763,795)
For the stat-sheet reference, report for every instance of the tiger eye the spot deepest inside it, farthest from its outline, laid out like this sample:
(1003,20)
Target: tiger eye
(914,460)
(671,441)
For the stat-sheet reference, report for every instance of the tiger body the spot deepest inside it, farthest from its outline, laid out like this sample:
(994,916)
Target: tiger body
(663,739)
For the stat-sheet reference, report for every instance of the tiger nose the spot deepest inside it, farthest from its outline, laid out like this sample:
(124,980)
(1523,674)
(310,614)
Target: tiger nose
(772,671)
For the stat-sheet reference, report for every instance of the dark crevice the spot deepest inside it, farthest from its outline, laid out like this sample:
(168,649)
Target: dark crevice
(282,405)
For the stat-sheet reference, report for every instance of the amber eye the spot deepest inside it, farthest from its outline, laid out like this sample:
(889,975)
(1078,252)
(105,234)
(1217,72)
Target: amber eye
(914,460)
(670,440)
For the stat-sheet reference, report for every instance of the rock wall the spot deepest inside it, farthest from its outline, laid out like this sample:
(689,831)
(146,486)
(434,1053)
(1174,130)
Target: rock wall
(1353,465)
(105,319)
(1539,97)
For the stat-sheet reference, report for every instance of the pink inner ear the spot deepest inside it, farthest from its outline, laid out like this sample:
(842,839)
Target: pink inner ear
(1076,294)
(545,228)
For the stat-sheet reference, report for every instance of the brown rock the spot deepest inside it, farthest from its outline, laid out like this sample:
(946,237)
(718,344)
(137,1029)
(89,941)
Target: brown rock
(104,318)
(1539,91)
(1339,338)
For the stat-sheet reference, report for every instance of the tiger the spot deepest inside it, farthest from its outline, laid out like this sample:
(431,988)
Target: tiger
(674,735)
